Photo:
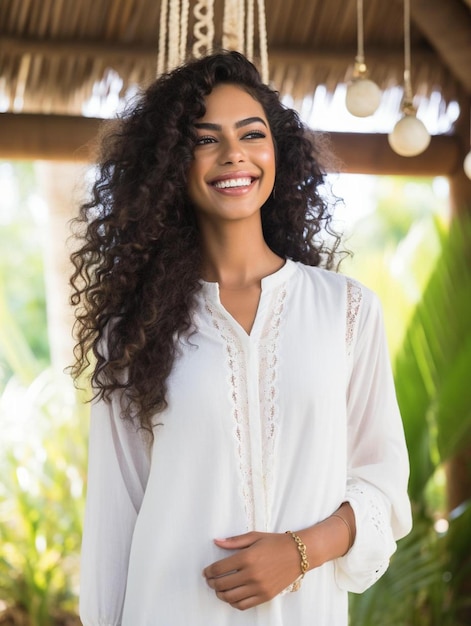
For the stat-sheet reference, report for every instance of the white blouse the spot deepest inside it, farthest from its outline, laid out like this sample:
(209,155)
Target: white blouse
(269,431)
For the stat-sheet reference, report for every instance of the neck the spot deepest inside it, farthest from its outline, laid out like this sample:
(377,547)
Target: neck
(237,257)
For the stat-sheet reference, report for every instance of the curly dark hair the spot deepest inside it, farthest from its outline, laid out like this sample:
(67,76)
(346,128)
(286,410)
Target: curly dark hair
(138,268)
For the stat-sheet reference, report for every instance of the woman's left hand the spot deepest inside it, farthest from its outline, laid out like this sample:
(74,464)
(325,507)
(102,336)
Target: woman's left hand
(264,565)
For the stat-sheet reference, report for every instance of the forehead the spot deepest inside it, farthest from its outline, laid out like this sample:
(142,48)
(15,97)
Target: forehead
(229,102)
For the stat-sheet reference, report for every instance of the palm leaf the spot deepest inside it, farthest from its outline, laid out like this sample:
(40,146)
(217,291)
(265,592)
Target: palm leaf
(432,380)
(432,367)
(396,598)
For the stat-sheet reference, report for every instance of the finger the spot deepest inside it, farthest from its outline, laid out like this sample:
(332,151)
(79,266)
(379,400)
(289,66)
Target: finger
(220,568)
(235,595)
(224,567)
(246,603)
(243,596)
(238,542)
(224,583)
(241,560)
(239,597)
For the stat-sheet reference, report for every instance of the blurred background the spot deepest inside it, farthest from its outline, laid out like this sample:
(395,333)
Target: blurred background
(66,66)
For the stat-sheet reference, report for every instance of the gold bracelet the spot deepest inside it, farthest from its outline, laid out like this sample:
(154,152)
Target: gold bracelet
(304,562)
(350,533)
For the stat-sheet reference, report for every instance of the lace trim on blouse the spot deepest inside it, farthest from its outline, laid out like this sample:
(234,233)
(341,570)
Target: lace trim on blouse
(269,366)
(240,406)
(268,395)
(354,298)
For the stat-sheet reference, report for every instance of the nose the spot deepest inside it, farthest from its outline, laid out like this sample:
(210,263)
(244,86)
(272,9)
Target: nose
(232,151)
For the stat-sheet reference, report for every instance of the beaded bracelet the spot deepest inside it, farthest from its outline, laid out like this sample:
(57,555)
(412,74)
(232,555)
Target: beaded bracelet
(304,562)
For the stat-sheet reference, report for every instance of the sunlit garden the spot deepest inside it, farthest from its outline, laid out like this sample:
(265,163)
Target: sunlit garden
(406,248)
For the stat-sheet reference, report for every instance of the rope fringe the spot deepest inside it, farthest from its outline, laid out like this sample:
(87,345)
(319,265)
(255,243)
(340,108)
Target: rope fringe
(238,31)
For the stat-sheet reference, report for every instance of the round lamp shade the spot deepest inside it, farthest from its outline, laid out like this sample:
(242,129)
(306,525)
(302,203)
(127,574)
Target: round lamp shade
(363,97)
(409,137)
(467,165)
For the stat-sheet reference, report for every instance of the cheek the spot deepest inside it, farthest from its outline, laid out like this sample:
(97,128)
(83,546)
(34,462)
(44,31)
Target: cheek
(267,158)
(193,178)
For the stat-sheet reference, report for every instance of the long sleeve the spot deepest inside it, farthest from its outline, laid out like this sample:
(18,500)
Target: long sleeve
(378,467)
(118,469)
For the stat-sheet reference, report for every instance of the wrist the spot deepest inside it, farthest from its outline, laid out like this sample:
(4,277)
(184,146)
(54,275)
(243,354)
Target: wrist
(331,538)
(315,540)
(303,559)
(346,524)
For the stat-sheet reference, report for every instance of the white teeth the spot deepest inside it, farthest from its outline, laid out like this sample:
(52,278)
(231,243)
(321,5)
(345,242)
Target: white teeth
(233,182)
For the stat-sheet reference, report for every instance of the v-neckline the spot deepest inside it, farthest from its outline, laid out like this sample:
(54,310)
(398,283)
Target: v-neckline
(212,290)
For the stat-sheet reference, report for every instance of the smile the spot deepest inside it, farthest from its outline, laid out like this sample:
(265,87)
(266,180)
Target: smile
(232,182)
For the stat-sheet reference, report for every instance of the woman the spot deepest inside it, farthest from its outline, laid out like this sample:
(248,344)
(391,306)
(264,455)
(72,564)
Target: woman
(247,459)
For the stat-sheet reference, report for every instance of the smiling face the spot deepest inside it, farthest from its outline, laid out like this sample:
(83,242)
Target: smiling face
(233,170)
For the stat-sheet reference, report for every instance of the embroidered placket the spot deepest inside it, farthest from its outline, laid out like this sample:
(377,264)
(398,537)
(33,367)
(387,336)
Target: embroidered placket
(252,368)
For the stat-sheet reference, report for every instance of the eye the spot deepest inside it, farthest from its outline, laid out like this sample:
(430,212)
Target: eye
(255,134)
(206,139)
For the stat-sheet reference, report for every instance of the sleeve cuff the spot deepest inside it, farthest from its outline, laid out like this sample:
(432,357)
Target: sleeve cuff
(368,558)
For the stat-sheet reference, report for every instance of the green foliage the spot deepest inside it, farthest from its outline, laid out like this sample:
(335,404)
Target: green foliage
(432,369)
(43,427)
(426,582)
(14,347)
(418,587)
(459,560)
(42,464)
(22,289)
(396,246)
(398,597)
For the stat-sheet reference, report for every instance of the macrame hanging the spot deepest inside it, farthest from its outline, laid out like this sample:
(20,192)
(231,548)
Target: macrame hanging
(238,30)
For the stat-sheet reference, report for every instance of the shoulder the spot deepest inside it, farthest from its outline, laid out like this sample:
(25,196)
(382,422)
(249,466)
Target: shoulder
(340,297)
(337,285)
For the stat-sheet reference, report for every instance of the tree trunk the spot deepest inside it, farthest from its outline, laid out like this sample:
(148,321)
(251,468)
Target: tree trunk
(61,184)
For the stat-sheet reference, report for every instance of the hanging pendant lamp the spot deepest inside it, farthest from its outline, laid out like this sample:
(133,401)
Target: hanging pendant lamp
(409,136)
(363,95)
(467,160)
(467,165)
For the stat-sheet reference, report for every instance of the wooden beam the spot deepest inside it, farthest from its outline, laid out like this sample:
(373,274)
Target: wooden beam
(447,26)
(145,54)
(47,137)
(67,138)
(54,48)
(371,154)
(345,56)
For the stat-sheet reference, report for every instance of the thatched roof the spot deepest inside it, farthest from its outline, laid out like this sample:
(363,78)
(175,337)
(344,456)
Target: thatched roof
(53,53)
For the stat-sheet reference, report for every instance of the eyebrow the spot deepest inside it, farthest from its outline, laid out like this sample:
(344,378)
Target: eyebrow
(240,124)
